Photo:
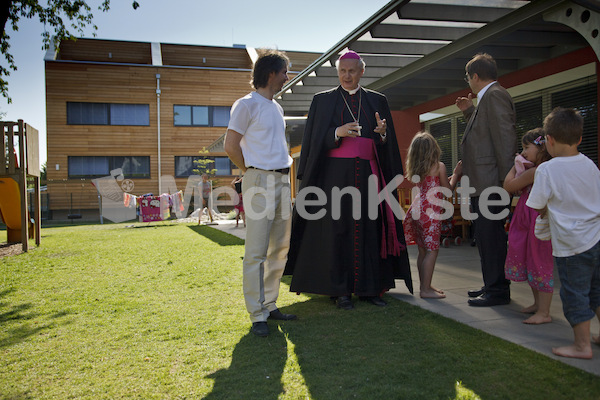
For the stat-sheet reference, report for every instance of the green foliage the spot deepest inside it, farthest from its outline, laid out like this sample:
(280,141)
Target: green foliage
(203,164)
(44,172)
(63,16)
(463,393)
(157,311)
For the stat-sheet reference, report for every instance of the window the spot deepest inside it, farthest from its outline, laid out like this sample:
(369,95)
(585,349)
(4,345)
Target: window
(99,166)
(130,114)
(529,116)
(221,116)
(200,115)
(108,114)
(87,113)
(442,133)
(182,115)
(185,165)
(133,167)
(83,167)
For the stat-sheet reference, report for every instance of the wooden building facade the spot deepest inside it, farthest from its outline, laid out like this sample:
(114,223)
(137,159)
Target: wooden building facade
(146,108)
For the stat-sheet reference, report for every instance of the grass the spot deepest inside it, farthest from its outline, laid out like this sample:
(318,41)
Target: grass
(157,312)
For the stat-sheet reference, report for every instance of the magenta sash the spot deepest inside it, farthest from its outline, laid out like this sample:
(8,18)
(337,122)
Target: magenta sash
(364,148)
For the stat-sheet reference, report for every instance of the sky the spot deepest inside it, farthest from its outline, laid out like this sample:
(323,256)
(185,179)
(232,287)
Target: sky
(307,25)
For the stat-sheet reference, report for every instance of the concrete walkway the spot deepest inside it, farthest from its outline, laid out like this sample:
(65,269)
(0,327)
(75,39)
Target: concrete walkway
(458,270)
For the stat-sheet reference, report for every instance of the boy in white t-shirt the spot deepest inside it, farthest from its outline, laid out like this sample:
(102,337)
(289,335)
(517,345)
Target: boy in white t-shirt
(567,190)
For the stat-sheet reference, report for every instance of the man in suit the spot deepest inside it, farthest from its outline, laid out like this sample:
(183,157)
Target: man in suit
(489,145)
(349,136)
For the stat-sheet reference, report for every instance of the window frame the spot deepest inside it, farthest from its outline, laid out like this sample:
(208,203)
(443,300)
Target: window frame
(111,164)
(107,111)
(214,158)
(211,111)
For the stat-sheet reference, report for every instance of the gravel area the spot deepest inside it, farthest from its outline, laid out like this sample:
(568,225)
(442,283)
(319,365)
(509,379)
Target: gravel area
(10,249)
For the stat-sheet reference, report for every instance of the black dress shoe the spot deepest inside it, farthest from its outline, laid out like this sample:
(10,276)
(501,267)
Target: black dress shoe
(375,300)
(260,329)
(276,314)
(476,292)
(486,300)
(344,303)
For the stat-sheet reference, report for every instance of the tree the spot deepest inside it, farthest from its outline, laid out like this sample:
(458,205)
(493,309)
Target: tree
(77,12)
(204,164)
(44,172)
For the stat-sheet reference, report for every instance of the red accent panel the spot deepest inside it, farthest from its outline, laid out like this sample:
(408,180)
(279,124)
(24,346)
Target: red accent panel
(407,125)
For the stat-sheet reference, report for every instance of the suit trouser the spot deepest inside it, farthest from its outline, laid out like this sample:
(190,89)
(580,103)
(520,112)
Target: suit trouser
(267,204)
(491,240)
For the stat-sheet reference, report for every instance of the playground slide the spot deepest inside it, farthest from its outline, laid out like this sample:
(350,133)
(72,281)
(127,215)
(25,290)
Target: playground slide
(10,203)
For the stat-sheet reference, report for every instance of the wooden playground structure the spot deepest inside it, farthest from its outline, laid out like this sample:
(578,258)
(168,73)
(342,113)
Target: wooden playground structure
(16,167)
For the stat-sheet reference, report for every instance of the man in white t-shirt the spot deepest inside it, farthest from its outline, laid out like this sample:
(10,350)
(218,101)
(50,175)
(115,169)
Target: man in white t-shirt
(567,190)
(256,143)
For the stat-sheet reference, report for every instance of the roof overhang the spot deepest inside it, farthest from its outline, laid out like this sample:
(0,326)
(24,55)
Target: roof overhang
(416,50)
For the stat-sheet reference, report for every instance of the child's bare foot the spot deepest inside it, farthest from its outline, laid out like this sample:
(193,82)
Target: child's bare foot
(573,352)
(440,291)
(532,309)
(432,294)
(538,319)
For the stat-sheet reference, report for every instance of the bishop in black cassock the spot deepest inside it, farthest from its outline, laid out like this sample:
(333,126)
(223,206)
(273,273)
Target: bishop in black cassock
(342,256)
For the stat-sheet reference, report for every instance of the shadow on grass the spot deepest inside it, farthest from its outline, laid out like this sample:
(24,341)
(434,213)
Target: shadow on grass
(19,322)
(217,236)
(398,351)
(337,357)
(255,371)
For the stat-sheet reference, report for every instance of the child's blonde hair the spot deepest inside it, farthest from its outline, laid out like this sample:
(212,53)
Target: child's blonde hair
(423,153)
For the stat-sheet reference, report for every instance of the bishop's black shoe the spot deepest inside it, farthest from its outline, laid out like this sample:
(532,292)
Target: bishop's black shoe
(375,300)
(344,303)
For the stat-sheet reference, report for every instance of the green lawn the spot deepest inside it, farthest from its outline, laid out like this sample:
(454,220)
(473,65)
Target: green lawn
(157,312)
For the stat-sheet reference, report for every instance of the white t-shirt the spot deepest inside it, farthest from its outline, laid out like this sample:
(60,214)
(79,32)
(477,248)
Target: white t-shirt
(261,123)
(570,188)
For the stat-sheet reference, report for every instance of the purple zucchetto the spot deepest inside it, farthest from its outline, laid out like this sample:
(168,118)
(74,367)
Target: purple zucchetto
(350,55)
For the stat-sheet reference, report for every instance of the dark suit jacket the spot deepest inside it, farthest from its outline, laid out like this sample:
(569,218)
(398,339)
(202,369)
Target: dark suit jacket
(489,143)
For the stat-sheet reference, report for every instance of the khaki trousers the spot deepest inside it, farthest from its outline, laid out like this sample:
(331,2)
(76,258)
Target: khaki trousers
(267,203)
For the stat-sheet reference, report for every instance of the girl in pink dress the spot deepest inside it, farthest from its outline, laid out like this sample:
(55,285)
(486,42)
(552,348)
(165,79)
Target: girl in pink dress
(424,218)
(528,258)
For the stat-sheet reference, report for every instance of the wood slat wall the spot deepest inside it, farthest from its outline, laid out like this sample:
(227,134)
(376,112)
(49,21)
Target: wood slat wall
(205,56)
(136,85)
(130,84)
(113,51)
(301,60)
